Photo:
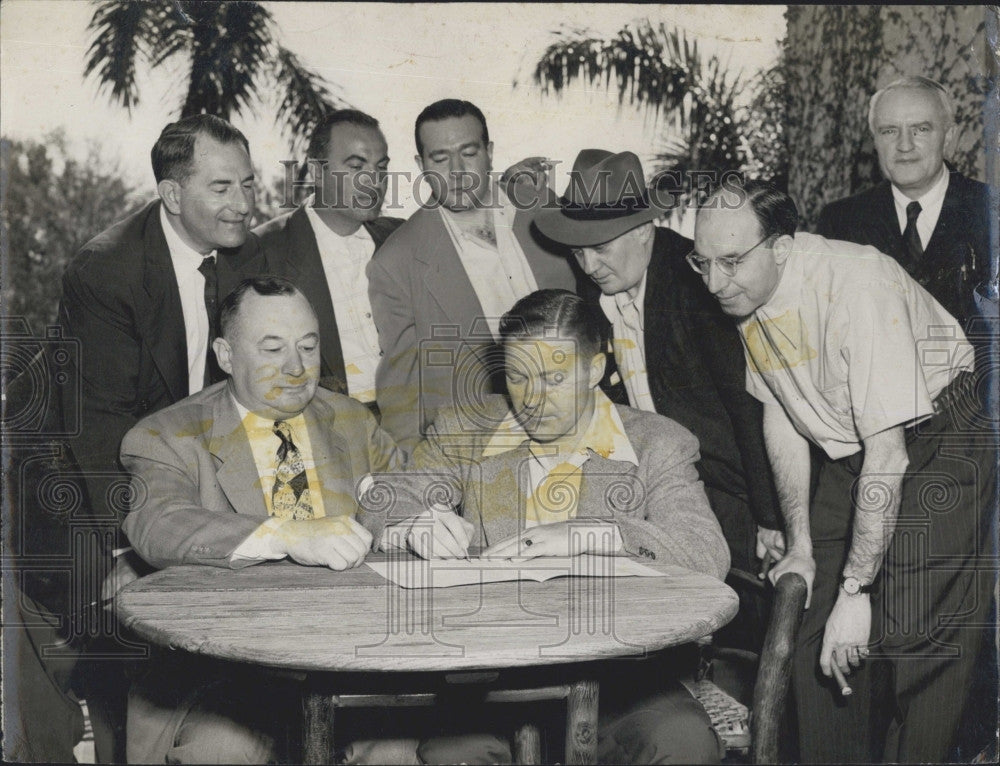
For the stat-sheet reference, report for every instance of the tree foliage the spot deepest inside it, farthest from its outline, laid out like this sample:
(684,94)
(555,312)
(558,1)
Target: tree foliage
(695,97)
(233,56)
(52,205)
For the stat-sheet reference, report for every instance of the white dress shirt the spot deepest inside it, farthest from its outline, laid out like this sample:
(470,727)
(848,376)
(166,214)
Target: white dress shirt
(500,275)
(629,343)
(191,284)
(930,207)
(344,261)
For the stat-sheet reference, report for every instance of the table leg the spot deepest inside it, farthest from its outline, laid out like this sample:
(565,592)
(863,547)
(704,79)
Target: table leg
(317,727)
(581,722)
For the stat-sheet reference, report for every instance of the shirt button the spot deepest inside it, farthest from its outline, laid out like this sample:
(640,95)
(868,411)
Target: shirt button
(368,315)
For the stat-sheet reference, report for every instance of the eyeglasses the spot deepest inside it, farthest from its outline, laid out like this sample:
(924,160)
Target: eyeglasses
(727,264)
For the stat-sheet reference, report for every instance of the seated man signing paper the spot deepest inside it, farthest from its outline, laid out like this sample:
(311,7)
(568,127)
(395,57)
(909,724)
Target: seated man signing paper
(559,470)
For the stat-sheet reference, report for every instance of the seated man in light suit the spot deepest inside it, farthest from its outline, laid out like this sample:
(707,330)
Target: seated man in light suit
(261,466)
(624,481)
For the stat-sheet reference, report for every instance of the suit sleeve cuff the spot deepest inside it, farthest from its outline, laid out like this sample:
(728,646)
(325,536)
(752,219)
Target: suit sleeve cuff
(261,544)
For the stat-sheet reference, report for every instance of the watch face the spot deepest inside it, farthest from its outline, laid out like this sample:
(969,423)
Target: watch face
(851,585)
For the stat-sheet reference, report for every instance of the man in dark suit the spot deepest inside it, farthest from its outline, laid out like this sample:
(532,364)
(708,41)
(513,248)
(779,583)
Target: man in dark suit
(141,300)
(674,350)
(440,283)
(946,247)
(324,246)
(260,467)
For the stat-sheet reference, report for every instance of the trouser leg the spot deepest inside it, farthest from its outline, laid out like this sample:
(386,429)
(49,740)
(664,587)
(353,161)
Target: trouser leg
(832,728)
(42,719)
(936,597)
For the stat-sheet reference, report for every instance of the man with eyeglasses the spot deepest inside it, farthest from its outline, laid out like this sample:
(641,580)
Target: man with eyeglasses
(676,353)
(847,351)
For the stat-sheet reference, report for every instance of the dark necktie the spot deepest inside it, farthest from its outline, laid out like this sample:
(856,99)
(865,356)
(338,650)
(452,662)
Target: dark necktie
(911,239)
(213,374)
(290,494)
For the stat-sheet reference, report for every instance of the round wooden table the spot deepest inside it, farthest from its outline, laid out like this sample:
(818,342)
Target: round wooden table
(327,623)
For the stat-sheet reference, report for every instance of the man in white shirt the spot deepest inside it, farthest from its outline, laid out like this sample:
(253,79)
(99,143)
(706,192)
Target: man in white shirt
(441,281)
(284,456)
(847,352)
(324,246)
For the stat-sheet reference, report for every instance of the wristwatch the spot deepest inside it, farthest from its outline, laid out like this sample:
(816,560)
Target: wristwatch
(852,586)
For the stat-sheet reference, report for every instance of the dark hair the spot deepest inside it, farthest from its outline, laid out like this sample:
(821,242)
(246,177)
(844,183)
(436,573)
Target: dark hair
(262,284)
(775,210)
(173,152)
(442,110)
(319,142)
(572,318)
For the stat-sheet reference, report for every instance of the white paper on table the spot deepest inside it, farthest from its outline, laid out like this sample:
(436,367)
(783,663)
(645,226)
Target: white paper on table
(409,572)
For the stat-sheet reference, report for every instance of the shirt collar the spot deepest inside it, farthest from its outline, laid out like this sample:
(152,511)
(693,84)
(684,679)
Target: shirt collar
(181,253)
(786,293)
(254,422)
(320,229)
(605,434)
(612,305)
(932,199)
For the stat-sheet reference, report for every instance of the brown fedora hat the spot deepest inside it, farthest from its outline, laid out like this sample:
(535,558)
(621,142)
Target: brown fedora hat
(606,197)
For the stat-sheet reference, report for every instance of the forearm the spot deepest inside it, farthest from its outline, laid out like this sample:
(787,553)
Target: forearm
(788,453)
(877,500)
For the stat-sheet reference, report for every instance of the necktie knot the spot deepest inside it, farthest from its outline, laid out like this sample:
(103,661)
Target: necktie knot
(283,432)
(207,266)
(912,211)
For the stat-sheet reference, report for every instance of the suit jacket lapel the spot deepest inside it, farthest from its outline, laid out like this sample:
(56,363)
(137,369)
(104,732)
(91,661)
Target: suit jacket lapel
(331,456)
(305,267)
(444,275)
(952,224)
(161,319)
(229,444)
(501,495)
(607,486)
(883,223)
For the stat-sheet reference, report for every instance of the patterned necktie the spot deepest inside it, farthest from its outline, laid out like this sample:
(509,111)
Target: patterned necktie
(911,239)
(213,373)
(290,494)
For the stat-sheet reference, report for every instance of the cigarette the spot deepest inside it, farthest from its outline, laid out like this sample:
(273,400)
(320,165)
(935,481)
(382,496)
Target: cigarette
(845,689)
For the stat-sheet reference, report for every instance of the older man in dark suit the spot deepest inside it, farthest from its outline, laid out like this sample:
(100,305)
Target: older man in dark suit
(324,246)
(260,467)
(141,300)
(934,221)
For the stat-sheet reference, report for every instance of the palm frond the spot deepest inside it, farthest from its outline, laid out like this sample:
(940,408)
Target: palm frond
(123,32)
(230,46)
(646,65)
(304,97)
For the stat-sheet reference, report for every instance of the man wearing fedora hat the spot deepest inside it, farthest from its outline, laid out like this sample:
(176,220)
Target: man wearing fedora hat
(676,353)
